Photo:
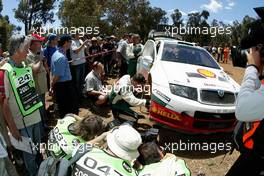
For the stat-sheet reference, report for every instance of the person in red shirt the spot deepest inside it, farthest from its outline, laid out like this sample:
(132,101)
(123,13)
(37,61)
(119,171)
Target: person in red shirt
(226,54)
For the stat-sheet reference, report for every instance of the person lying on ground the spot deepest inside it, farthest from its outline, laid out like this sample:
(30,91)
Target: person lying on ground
(121,151)
(71,131)
(153,162)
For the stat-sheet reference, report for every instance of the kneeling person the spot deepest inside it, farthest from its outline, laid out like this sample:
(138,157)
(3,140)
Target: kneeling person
(93,85)
(122,96)
(72,131)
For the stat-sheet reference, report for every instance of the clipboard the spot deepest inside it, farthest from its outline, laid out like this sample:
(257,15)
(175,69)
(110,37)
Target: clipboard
(26,145)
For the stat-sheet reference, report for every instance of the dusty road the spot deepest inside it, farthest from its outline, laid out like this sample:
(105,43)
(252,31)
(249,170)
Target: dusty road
(200,162)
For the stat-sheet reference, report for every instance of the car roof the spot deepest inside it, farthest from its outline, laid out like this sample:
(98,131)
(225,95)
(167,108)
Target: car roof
(173,40)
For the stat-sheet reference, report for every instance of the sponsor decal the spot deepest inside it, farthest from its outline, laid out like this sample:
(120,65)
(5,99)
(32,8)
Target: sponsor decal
(164,113)
(162,95)
(206,73)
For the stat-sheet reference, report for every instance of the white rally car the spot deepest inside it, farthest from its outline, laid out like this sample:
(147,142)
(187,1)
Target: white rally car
(190,91)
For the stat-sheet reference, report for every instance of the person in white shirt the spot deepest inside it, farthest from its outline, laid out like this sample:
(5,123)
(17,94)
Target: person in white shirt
(122,95)
(121,54)
(78,62)
(93,87)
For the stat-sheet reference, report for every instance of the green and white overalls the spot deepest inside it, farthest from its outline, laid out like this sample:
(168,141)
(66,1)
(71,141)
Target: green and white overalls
(99,163)
(168,166)
(122,98)
(61,142)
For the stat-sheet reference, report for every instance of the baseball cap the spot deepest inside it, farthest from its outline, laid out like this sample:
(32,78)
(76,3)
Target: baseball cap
(124,142)
(36,37)
(52,37)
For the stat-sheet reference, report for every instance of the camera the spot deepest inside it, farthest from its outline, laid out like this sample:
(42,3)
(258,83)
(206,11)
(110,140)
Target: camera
(239,57)
(254,38)
(147,135)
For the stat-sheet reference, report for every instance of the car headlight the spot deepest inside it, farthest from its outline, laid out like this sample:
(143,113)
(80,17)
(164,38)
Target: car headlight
(184,91)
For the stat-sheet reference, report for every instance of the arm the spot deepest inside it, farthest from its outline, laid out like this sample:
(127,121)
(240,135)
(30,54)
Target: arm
(58,70)
(133,101)
(126,92)
(36,67)
(251,96)
(94,93)
(9,120)
(4,94)
(54,80)
(76,49)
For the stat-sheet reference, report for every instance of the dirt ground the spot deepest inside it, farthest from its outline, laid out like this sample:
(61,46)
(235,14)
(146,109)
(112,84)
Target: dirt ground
(204,163)
(201,163)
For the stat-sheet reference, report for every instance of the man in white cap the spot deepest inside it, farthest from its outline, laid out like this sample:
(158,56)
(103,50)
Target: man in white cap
(116,159)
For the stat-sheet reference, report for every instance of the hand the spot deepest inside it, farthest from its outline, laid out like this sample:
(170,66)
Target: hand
(98,141)
(254,58)
(147,105)
(16,134)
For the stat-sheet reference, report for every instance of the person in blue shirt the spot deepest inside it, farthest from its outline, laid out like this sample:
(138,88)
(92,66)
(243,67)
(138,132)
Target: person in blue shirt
(48,51)
(61,79)
(51,47)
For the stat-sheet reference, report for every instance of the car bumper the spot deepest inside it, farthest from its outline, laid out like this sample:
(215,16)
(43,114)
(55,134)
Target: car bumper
(203,120)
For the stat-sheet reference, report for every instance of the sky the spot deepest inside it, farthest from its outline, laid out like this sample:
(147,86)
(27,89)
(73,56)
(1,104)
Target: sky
(222,10)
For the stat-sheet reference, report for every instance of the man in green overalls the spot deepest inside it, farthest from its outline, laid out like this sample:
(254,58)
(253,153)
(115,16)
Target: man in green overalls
(122,95)
(116,159)
(72,131)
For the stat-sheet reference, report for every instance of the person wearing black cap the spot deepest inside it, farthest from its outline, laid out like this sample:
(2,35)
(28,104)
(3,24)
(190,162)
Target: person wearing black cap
(249,106)
(61,79)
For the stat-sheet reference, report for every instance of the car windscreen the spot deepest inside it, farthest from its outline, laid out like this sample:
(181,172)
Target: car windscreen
(189,55)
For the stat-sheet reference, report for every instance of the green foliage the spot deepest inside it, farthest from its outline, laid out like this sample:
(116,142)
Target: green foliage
(112,16)
(31,12)
(5,29)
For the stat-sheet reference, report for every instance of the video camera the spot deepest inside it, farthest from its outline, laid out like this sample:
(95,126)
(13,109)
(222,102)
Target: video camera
(147,135)
(254,38)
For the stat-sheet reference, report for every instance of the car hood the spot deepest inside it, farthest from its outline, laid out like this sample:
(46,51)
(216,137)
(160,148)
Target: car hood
(198,76)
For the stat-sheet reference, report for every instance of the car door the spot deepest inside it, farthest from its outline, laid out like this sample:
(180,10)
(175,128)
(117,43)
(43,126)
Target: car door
(145,61)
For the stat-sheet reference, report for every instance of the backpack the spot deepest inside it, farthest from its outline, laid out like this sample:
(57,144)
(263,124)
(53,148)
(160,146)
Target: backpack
(60,167)
(249,137)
